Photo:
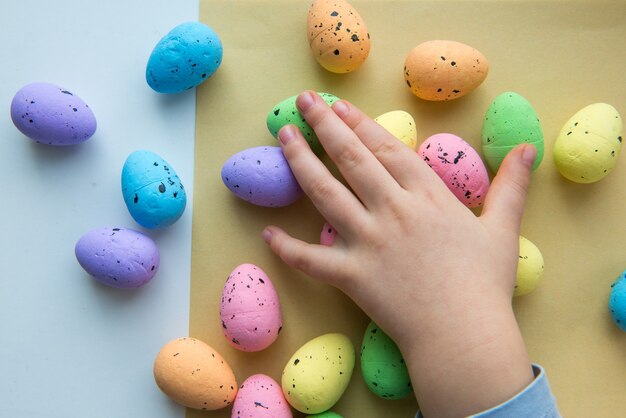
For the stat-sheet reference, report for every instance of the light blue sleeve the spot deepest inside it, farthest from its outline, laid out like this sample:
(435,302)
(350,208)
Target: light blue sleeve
(535,401)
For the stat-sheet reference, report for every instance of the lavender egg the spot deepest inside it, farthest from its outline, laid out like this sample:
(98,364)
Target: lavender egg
(261,176)
(118,257)
(51,115)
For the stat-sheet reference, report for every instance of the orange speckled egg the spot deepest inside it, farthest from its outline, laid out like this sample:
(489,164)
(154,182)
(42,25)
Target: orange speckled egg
(337,35)
(195,375)
(444,70)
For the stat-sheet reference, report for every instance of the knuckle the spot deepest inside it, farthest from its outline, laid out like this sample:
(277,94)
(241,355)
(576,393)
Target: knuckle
(386,146)
(320,189)
(349,156)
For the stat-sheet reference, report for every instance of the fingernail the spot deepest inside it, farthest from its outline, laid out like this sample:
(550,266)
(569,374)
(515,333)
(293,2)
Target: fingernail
(286,134)
(529,154)
(267,235)
(305,101)
(341,109)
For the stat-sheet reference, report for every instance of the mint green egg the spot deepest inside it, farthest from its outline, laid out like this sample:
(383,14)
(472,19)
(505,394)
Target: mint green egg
(327,414)
(382,365)
(510,121)
(286,113)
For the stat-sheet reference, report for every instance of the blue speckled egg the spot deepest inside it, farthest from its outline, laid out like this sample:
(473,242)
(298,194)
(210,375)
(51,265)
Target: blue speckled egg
(261,176)
(51,115)
(617,301)
(152,191)
(184,58)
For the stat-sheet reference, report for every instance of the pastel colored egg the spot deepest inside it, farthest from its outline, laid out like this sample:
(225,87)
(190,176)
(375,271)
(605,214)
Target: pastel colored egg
(318,373)
(587,147)
(153,193)
(401,125)
(328,235)
(260,396)
(382,365)
(617,301)
(337,35)
(509,121)
(250,309)
(286,113)
(529,267)
(118,257)
(194,375)
(444,70)
(458,165)
(261,176)
(184,58)
(327,414)
(52,115)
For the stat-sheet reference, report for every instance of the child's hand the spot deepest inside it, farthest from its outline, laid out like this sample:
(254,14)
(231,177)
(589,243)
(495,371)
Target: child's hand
(435,277)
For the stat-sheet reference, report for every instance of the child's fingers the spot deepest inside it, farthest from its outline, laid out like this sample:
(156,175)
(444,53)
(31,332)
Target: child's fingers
(316,260)
(331,198)
(371,182)
(504,204)
(399,160)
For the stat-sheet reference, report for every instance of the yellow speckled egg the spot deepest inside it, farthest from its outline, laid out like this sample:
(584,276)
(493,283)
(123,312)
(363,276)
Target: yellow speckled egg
(195,375)
(587,147)
(529,267)
(318,373)
(337,35)
(444,70)
(401,125)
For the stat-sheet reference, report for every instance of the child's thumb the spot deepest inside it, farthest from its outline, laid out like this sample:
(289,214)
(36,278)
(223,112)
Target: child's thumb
(504,203)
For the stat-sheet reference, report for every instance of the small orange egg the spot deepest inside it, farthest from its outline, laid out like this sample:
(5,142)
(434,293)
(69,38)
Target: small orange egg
(337,35)
(195,375)
(444,70)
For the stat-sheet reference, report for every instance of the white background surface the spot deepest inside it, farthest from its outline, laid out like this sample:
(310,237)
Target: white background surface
(70,346)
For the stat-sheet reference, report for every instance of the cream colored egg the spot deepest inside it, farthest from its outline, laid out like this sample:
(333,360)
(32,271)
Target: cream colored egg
(318,373)
(195,375)
(529,267)
(337,35)
(401,125)
(587,147)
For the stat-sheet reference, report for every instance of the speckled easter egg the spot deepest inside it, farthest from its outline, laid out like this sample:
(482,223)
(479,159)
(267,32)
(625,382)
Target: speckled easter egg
(458,165)
(617,301)
(260,396)
(118,257)
(153,193)
(328,235)
(382,365)
(587,147)
(444,70)
(337,35)
(401,125)
(327,414)
(51,115)
(250,309)
(261,176)
(510,120)
(286,113)
(195,375)
(184,58)
(529,267)
(318,373)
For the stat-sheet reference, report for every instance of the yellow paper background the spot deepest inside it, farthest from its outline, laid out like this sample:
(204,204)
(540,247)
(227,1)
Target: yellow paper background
(561,56)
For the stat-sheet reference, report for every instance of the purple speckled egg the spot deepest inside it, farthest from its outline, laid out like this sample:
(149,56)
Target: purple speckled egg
(458,165)
(118,257)
(250,309)
(262,176)
(260,396)
(51,115)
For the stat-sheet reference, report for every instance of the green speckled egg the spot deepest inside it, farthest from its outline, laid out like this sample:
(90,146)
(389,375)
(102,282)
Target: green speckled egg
(510,121)
(327,414)
(286,113)
(382,365)
(318,373)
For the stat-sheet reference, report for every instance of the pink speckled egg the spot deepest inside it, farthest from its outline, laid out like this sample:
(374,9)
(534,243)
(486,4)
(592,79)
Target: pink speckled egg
(328,235)
(250,309)
(260,396)
(458,165)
